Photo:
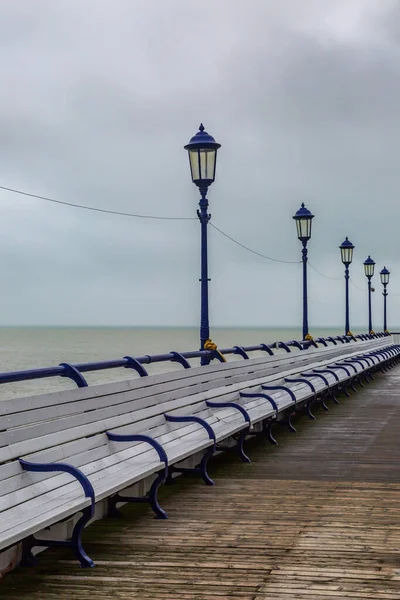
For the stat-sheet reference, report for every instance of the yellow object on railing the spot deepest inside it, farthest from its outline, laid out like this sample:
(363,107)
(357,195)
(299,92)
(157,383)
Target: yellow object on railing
(387,332)
(210,345)
(372,332)
(350,334)
(309,338)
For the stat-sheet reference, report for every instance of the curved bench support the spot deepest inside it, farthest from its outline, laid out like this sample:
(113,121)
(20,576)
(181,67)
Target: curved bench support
(284,346)
(292,395)
(243,435)
(239,350)
(324,379)
(312,388)
(132,363)
(330,372)
(177,357)
(267,429)
(343,386)
(161,477)
(202,468)
(296,344)
(87,513)
(72,373)
(266,349)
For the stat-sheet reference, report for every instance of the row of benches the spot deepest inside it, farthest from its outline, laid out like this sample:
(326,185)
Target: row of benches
(61,453)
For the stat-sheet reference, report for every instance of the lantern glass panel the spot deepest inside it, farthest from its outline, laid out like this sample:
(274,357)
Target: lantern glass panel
(202,164)
(303,228)
(385,278)
(369,269)
(347,255)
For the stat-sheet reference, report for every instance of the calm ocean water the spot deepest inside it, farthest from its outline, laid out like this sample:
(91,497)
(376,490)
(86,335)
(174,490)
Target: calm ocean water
(30,347)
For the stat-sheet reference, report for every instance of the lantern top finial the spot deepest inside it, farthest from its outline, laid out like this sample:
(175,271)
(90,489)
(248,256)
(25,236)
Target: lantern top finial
(303,213)
(202,139)
(346,244)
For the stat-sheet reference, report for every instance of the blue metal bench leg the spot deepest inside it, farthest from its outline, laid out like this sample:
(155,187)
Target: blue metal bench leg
(29,560)
(308,408)
(203,466)
(239,445)
(267,429)
(344,390)
(353,386)
(324,406)
(367,377)
(359,380)
(290,424)
(152,499)
(76,539)
(333,396)
(201,469)
(240,450)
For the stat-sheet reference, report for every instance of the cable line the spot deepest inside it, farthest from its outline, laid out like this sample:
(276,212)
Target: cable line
(356,286)
(322,274)
(94,209)
(291,262)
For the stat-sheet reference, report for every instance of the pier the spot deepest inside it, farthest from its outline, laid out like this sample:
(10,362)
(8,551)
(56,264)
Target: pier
(315,518)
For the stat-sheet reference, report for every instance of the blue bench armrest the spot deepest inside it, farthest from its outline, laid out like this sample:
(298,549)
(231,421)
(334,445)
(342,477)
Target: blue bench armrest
(235,405)
(259,395)
(347,364)
(345,369)
(327,371)
(65,468)
(281,387)
(301,380)
(193,419)
(137,437)
(324,379)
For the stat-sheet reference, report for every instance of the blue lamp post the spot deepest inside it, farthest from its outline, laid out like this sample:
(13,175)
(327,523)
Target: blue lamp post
(369,268)
(385,274)
(303,219)
(346,250)
(202,150)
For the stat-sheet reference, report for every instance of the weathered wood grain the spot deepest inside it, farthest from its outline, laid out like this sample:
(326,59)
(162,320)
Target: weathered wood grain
(316,518)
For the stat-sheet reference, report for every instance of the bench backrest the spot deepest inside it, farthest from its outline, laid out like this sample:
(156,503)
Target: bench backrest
(71,425)
(33,424)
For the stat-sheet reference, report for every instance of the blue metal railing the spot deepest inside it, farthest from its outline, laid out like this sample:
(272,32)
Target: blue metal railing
(74,371)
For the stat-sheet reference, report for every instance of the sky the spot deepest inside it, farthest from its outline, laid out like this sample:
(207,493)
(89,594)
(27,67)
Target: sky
(98,100)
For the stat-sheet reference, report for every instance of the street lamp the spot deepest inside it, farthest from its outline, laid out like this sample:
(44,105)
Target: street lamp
(346,250)
(202,150)
(384,280)
(369,267)
(303,219)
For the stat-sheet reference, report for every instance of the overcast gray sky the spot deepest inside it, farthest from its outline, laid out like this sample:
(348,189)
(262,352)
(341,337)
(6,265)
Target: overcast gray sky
(98,99)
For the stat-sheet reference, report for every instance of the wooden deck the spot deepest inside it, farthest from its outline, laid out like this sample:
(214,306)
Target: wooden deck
(316,518)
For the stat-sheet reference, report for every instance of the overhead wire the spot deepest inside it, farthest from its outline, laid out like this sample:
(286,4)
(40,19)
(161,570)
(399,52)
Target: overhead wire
(292,262)
(164,218)
(322,274)
(95,209)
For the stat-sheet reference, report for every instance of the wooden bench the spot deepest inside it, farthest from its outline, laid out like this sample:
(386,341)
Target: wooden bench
(61,453)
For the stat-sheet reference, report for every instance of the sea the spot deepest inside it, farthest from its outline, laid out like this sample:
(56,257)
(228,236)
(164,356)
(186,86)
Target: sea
(33,347)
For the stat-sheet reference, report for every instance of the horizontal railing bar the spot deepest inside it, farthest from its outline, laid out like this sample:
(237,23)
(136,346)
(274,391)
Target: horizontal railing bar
(62,371)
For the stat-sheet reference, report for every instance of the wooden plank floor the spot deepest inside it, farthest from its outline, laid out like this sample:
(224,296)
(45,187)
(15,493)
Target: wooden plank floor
(316,518)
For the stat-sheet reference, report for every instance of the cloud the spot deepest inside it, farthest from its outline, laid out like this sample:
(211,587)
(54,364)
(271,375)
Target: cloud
(98,102)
